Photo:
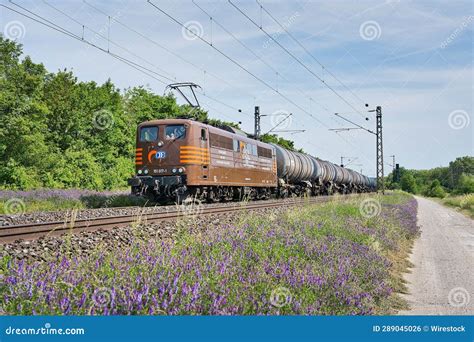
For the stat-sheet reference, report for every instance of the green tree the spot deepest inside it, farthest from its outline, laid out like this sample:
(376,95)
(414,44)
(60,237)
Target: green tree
(59,132)
(458,167)
(275,139)
(408,184)
(435,190)
(465,184)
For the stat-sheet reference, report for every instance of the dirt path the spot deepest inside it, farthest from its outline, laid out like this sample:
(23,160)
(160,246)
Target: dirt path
(442,279)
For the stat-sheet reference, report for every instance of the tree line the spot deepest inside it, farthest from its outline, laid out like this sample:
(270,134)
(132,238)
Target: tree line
(59,132)
(457,178)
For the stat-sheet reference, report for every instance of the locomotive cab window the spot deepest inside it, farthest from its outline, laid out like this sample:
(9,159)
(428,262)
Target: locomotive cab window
(203,134)
(175,132)
(148,133)
(236,145)
(254,150)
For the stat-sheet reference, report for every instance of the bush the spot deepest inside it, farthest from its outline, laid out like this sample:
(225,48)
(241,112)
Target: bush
(465,185)
(408,183)
(15,176)
(435,190)
(78,169)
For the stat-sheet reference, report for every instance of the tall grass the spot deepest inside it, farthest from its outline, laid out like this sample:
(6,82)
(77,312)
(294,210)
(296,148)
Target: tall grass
(52,200)
(464,203)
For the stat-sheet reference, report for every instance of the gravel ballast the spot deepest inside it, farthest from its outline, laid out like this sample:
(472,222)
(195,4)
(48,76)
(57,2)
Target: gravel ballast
(86,242)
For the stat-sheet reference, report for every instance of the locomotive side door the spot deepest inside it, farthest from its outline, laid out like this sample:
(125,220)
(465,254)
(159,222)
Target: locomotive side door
(204,145)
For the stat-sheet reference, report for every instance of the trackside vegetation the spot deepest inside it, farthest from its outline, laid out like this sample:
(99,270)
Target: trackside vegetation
(454,180)
(61,133)
(64,199)
(464,203)
(344,257)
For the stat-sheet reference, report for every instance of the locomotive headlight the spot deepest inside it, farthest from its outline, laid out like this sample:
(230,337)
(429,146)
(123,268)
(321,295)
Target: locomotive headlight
(174,170)
(145,171)
(139,172)
(180,170)
(160,143)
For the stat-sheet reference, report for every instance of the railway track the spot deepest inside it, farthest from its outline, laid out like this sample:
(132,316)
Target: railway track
(32,231)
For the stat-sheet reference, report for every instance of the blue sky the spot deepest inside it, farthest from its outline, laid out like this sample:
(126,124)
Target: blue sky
(414,58)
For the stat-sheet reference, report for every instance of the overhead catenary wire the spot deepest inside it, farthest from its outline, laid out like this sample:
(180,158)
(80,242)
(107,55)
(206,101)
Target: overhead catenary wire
(245,46)
(308,52)
(43,21)
(235,38)
(161,46)
(170,77)
(277,72)
(235,62)
(62,30)
(273,69)
(294,57)
(129,61)
(144,70)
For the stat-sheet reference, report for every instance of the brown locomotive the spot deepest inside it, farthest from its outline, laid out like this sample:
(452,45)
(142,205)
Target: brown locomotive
(177,158)
(180,158)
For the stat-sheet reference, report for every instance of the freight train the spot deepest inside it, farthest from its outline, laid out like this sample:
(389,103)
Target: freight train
(181,158)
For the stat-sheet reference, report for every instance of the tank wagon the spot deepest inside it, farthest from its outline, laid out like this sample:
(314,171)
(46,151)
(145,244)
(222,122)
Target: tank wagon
(300,173)
(179,158)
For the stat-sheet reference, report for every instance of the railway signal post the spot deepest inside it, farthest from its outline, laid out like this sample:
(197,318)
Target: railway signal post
(257,123)
(393,167)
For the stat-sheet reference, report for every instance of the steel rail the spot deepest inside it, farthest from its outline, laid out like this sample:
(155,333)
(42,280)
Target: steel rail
(31,231)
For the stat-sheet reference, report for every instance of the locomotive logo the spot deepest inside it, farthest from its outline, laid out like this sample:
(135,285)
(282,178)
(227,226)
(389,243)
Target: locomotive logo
(160,155)
(156,154)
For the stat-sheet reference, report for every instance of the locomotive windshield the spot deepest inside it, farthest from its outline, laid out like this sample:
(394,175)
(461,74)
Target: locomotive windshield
(173,132)
(149,133)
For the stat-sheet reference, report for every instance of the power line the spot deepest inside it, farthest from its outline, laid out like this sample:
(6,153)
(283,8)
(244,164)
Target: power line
(62,30)
(217,110)
(204,71)
(235,38)
(45,22)
(352,122)
(235,62)
(172,78)
(308,52)
(170,51)
(146,71)
(245,46)
(293,56)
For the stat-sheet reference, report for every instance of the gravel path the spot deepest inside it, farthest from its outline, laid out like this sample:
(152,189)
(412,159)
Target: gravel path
(442,279)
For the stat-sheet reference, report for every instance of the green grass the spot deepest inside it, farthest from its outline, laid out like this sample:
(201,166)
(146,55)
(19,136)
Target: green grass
(464,203)
(31,205)
(35,205)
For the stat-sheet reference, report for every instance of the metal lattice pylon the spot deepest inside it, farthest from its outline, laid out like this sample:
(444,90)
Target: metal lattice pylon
(380,178)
